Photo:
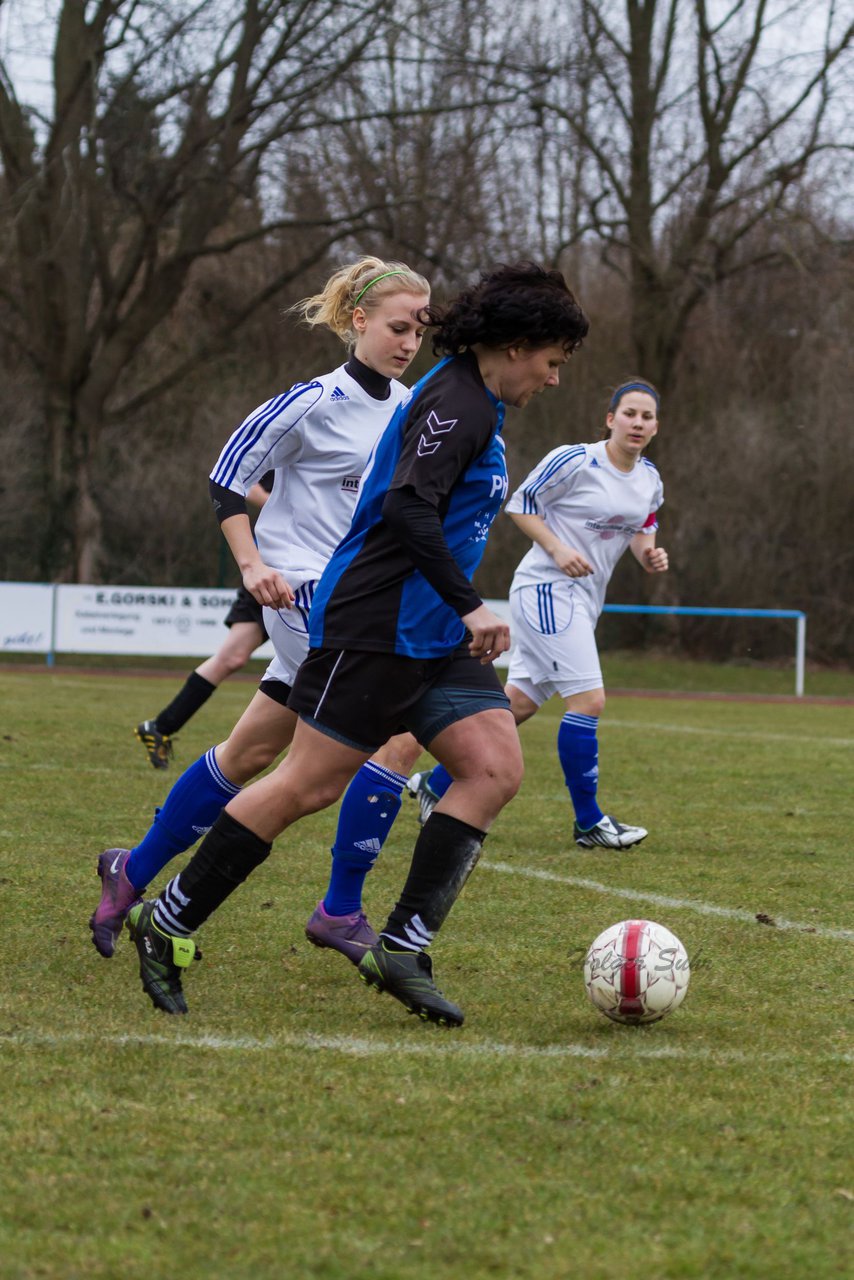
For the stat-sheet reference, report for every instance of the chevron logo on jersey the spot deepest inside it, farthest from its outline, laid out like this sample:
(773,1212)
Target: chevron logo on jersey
(436,428)
(338,394)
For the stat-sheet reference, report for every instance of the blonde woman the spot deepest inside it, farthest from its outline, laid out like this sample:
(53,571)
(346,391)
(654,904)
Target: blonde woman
(316,437)
(399,636)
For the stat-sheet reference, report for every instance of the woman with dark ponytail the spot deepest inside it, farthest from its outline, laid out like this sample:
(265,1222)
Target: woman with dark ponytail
(582,506)
(400,639)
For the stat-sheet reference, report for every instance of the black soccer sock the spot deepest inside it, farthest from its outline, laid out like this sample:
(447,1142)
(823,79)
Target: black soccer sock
(444,857)
(228,854)
(194,694)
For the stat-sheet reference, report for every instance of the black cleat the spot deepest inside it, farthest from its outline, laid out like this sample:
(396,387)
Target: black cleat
(162,956)
(157,745)
(408,976)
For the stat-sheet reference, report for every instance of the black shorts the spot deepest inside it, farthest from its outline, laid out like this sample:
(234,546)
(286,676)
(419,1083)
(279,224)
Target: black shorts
(245,609)
(277,690)
(363,699)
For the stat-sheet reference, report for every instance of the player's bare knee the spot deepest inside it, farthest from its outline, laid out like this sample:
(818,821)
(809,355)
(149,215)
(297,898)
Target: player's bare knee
(320,795)
(590,703)
(399,754)
(597,703)
(510,782)
(240,767)
(500,780)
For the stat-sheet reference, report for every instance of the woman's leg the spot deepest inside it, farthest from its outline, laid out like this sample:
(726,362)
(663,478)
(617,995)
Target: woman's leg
(429,787)
(556,652)
(242,640)
(482,754)
(194,802)
(311,777)
(233,654)
(578,752)
(370,805)
(522,704)
(260,736)
(578,749)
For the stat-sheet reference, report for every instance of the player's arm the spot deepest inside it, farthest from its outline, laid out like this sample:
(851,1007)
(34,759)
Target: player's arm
(567,559)
(652,559)
(272,436)
(415,522)
(552,477)
(264,583)
(430,464)
(261,581)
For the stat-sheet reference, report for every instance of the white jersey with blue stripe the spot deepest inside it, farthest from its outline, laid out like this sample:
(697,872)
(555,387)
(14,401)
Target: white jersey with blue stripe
(317,438)
(592,507)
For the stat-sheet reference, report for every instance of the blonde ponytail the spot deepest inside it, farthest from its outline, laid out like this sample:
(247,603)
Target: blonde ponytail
(364,282)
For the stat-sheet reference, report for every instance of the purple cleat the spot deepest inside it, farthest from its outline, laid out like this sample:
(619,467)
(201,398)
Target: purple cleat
(351,935)
(118,895)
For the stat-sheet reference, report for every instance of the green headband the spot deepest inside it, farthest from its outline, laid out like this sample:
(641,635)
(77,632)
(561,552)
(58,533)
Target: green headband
(371,283)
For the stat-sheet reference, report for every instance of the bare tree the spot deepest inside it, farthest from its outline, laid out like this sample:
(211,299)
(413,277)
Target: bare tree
(440,97)
(689,140)
(164,148)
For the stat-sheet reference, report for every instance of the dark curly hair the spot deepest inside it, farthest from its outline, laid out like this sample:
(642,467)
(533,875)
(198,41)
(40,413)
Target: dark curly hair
(517,304)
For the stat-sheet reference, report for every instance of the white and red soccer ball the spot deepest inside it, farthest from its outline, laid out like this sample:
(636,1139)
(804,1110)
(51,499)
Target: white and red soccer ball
(636,971)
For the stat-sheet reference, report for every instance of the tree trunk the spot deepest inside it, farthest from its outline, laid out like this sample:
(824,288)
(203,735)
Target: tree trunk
(71,546)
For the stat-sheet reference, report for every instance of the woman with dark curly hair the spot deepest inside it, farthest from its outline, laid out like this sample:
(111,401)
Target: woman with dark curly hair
(400,639)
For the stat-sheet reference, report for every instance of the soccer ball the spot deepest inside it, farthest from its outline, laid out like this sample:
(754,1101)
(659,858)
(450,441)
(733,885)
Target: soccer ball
(636,971)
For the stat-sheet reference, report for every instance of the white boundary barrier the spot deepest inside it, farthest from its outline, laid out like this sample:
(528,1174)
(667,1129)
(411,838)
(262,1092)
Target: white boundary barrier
(186,621)
(163,621)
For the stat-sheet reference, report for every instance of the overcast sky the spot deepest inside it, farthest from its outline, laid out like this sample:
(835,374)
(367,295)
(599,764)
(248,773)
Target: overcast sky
(794,28)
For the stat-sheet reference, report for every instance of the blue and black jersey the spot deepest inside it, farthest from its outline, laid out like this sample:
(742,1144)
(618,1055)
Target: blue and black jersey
(441,452)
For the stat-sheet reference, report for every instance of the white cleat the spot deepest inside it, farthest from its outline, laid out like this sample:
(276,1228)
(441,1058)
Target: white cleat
(610,834)
(419,789)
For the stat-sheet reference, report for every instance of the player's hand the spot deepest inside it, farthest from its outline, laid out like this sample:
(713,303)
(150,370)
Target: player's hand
(268,586)
(571,562)
(656,560)
(490,637)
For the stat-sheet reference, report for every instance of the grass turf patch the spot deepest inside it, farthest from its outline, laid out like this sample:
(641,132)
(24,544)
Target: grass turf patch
(295,1124)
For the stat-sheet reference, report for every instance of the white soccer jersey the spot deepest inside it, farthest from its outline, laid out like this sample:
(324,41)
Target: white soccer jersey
(592,507)
(317,438)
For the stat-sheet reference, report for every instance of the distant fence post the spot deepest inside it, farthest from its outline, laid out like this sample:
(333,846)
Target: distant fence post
(50,656)
(800,654)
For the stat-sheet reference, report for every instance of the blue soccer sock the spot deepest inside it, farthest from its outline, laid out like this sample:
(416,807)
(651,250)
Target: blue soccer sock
(370,806)
(439,780)
(191,807)
(578,752)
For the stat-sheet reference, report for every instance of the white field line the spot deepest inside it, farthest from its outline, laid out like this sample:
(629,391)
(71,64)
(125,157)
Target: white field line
(663,900)
(359,1047)
(751,735)
(48,766)
(614,722)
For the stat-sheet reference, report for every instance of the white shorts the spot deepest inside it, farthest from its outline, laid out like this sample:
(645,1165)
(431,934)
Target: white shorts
(288,631)
(554,643)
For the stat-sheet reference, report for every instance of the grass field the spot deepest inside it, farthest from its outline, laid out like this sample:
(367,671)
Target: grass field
(297,1125)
